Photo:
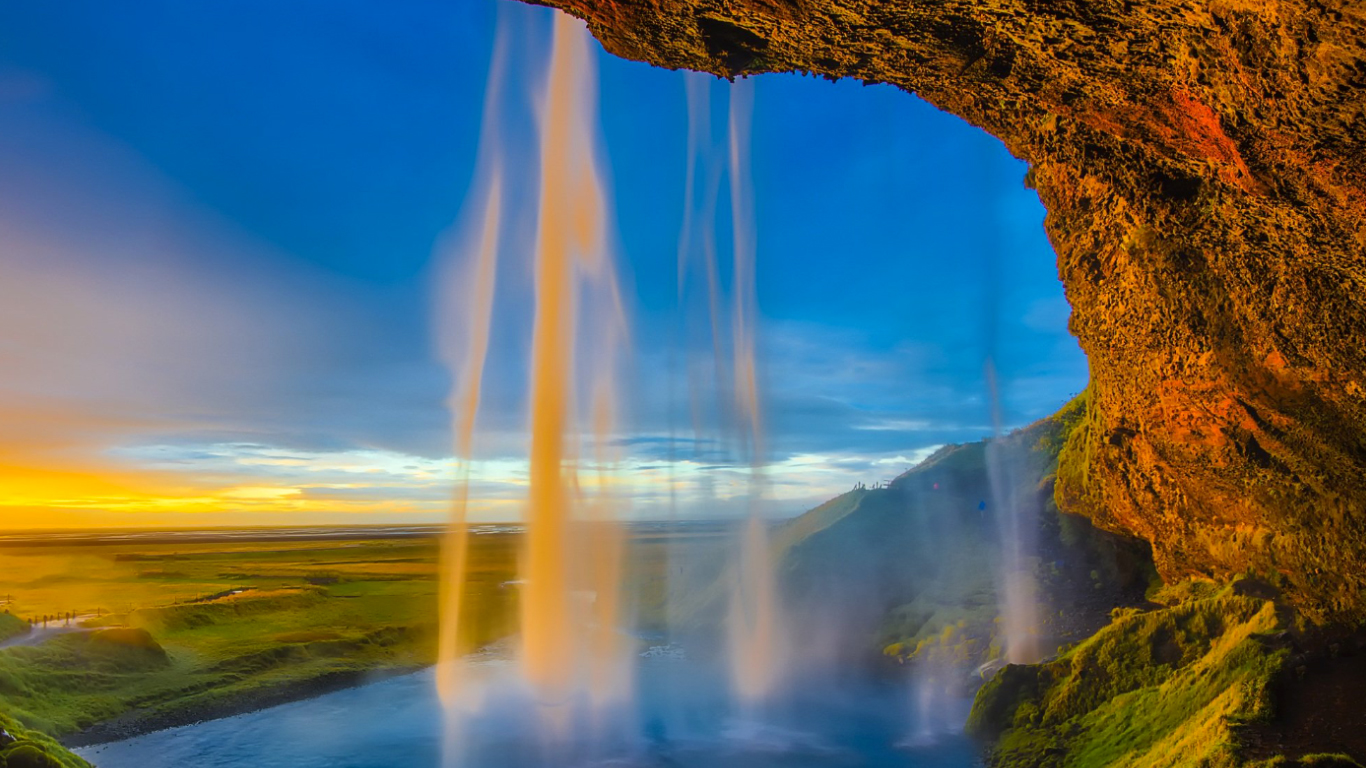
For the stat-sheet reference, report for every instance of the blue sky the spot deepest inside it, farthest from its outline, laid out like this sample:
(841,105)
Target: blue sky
(217,227)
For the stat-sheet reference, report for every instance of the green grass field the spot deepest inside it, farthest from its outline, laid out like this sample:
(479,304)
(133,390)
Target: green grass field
(216,627)
(234,621)
(12,626)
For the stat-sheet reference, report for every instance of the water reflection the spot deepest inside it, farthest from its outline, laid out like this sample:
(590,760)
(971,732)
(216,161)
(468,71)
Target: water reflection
(684,721)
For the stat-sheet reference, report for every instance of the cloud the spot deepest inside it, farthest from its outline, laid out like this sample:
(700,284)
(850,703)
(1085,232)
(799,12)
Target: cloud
(119,295)
(159,359)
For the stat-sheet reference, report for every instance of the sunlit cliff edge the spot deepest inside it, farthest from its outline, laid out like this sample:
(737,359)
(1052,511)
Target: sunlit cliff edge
(1204,169)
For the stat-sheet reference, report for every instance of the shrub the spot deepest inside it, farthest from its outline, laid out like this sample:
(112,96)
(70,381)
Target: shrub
(28,756)
(128,637)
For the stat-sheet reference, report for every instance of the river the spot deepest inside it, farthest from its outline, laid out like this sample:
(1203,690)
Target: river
(676,722)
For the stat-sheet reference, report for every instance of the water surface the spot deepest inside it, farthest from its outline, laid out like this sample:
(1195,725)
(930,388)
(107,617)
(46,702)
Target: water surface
(678,721)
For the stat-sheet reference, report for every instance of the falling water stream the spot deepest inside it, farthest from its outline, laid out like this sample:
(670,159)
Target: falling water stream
(467,358)
(754,614)
(571,623)
(575,691)
(569,222)
(573,661)
(571,645)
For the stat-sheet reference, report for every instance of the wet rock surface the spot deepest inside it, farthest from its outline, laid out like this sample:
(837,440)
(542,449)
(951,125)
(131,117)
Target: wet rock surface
(1204,168)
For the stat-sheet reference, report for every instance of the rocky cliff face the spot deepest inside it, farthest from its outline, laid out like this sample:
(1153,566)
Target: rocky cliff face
(1204,168)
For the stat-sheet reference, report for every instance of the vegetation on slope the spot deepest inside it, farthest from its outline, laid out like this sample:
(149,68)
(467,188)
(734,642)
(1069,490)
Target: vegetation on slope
(186,632)
(72,680)
(912,568)
(174,633)
(1179,685)
(21,747)
(11,626)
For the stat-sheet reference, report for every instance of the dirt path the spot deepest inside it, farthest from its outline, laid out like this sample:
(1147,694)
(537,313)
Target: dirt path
(41,634)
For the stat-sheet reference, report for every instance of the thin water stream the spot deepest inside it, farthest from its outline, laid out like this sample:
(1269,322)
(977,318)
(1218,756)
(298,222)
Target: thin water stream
(577,690)
(571,599)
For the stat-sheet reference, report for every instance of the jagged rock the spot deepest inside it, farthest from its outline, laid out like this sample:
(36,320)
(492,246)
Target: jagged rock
(1204,168)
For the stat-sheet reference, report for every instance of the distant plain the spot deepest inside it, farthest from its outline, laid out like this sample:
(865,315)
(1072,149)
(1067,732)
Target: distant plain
(212,623)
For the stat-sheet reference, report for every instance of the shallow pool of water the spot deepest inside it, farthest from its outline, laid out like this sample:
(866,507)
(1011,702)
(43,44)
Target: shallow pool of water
(676,721)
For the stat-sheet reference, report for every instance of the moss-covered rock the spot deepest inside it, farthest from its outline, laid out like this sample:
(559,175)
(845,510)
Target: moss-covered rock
(1324,761)
(31,749)
(28,756)
(1166,687)
(997,702)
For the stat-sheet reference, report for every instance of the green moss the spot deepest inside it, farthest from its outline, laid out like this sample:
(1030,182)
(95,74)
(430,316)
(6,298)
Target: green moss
(1334,760)
(28,756)
(1165,687)
(998,702)
(944,628)
(1073,441)
(131,639)
(190,659)
(34,750)
(11,625)
(1066,421)
(1328,761)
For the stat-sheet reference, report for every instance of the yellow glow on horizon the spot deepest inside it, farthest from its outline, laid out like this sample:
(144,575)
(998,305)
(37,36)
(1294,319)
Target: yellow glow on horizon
(53,476)
(45,497)
(264,493)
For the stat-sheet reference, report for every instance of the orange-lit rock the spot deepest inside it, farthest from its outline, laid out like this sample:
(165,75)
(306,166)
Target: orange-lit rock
(1204,167)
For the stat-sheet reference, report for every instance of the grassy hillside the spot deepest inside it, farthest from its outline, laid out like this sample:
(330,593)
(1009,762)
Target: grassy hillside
(11,626)
(905,557)
(1210,675)
(803,527)
(911,569)
(175,633)
(1185,684)
(25,748)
